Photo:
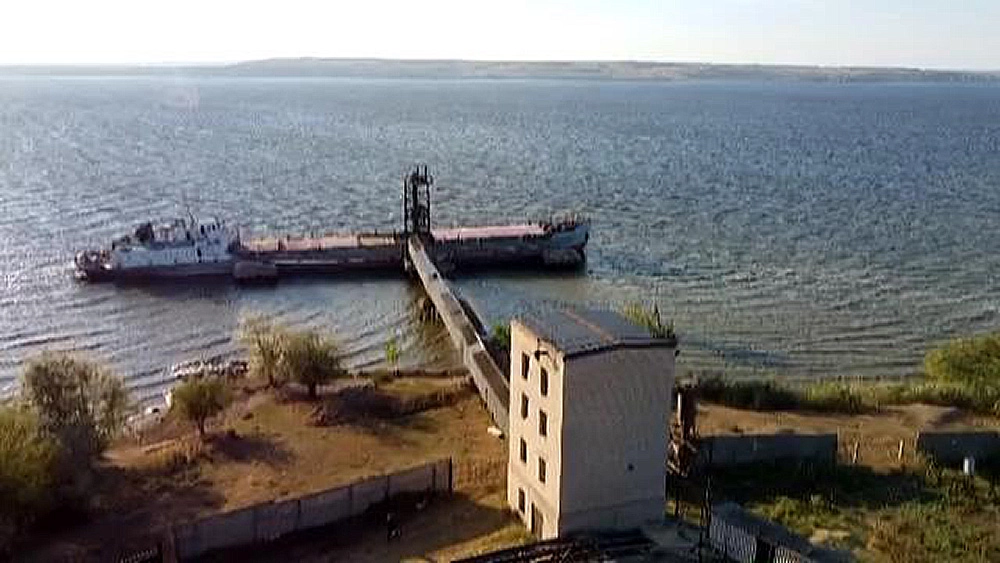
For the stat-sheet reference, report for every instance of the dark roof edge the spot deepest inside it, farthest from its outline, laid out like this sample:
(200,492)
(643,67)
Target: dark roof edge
(658,343)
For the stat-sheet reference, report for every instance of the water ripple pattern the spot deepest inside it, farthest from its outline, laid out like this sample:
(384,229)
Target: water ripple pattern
(787,228)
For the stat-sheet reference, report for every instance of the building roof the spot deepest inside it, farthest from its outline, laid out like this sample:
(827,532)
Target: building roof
(586,331)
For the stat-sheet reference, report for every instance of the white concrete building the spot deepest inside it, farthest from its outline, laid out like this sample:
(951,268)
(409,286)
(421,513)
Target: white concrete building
(589,413)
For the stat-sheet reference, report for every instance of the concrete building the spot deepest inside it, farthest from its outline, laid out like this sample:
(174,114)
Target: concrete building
(589,413)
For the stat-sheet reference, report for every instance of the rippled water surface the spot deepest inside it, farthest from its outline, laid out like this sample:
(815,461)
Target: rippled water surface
(791,228)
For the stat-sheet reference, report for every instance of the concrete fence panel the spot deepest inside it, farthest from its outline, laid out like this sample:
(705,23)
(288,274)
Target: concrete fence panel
(443,478)
(953,447)
(276,520)
(322,508)
(725,451)
(366,493)
(269,521)
(416,480)
(186,543)
(227,529)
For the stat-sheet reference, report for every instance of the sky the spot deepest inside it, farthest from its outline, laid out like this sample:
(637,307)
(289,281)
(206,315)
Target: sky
(947,34)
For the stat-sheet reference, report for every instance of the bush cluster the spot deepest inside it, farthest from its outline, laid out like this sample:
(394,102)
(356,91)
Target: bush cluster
(278,355)
(50,437)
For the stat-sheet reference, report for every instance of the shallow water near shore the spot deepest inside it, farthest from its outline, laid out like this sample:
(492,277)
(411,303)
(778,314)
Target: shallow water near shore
(788,228)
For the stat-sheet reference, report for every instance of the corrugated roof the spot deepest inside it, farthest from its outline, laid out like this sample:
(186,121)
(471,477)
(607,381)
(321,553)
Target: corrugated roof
(582,331)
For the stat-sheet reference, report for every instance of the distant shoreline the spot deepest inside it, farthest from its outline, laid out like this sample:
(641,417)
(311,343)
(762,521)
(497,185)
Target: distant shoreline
(599,70)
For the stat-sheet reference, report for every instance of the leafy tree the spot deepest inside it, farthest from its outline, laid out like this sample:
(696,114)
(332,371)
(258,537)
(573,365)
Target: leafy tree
(649,318)
(77,402)
(28,459)
(310,359)
(264,341)
(200,398)
(967,360)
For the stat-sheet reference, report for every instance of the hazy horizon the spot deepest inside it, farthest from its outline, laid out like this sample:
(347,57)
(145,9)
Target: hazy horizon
(918,34)
(226,63)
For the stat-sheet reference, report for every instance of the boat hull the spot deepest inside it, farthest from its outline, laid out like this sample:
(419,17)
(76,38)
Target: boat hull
(150,273)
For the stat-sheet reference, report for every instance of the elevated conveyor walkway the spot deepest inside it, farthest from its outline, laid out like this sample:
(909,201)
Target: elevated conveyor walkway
(488,378)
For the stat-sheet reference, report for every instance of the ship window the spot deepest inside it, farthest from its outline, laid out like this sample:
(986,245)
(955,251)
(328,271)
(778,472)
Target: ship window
(525,365)
(199,254)
(543,382)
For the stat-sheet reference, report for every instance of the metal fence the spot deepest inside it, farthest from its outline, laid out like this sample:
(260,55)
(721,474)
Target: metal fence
(744,538)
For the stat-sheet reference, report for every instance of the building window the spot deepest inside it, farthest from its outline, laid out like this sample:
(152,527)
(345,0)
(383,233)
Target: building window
(524,451)
(543,423)
(541,470)
(520,501)
(525,365)
(524,406)
(543,382)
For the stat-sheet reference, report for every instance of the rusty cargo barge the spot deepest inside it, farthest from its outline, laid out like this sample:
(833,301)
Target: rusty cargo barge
(187,249)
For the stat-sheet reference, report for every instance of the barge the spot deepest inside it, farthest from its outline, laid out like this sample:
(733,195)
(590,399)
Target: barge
(186,248)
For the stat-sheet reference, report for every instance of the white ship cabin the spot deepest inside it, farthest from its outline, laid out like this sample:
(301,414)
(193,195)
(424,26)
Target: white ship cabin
(180,242)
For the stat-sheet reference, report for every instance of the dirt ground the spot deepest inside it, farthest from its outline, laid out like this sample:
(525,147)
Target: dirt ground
(265,448)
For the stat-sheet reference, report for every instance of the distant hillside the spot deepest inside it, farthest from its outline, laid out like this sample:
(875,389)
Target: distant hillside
(629,70)
(622,70)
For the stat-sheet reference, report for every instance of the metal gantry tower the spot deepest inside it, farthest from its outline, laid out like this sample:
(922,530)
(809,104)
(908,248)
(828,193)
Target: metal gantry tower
(417,202)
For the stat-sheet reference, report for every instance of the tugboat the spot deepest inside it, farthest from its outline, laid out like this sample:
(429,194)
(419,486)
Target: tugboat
(179,249)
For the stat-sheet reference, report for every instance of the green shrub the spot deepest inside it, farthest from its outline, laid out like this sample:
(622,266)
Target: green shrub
(835,397)
(392,354)
(28,459)
(200,398)
(969,360)
(649,317)
(77,401)
(500,335)
(263,341)
(748,394)
(310,359)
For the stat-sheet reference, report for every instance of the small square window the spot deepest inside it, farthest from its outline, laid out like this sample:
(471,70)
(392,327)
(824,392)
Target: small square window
(524,406)
(543,382)
(520,501)
(543,423)
(524,451)
(525,365)
(541,470)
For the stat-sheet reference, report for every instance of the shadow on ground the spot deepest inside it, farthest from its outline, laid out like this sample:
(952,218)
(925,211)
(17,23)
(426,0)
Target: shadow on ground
(424,525)
(128,512)
(840,485)
(245,448)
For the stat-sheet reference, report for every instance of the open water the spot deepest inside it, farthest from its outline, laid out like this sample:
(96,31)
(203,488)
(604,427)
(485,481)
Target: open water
(787,228)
